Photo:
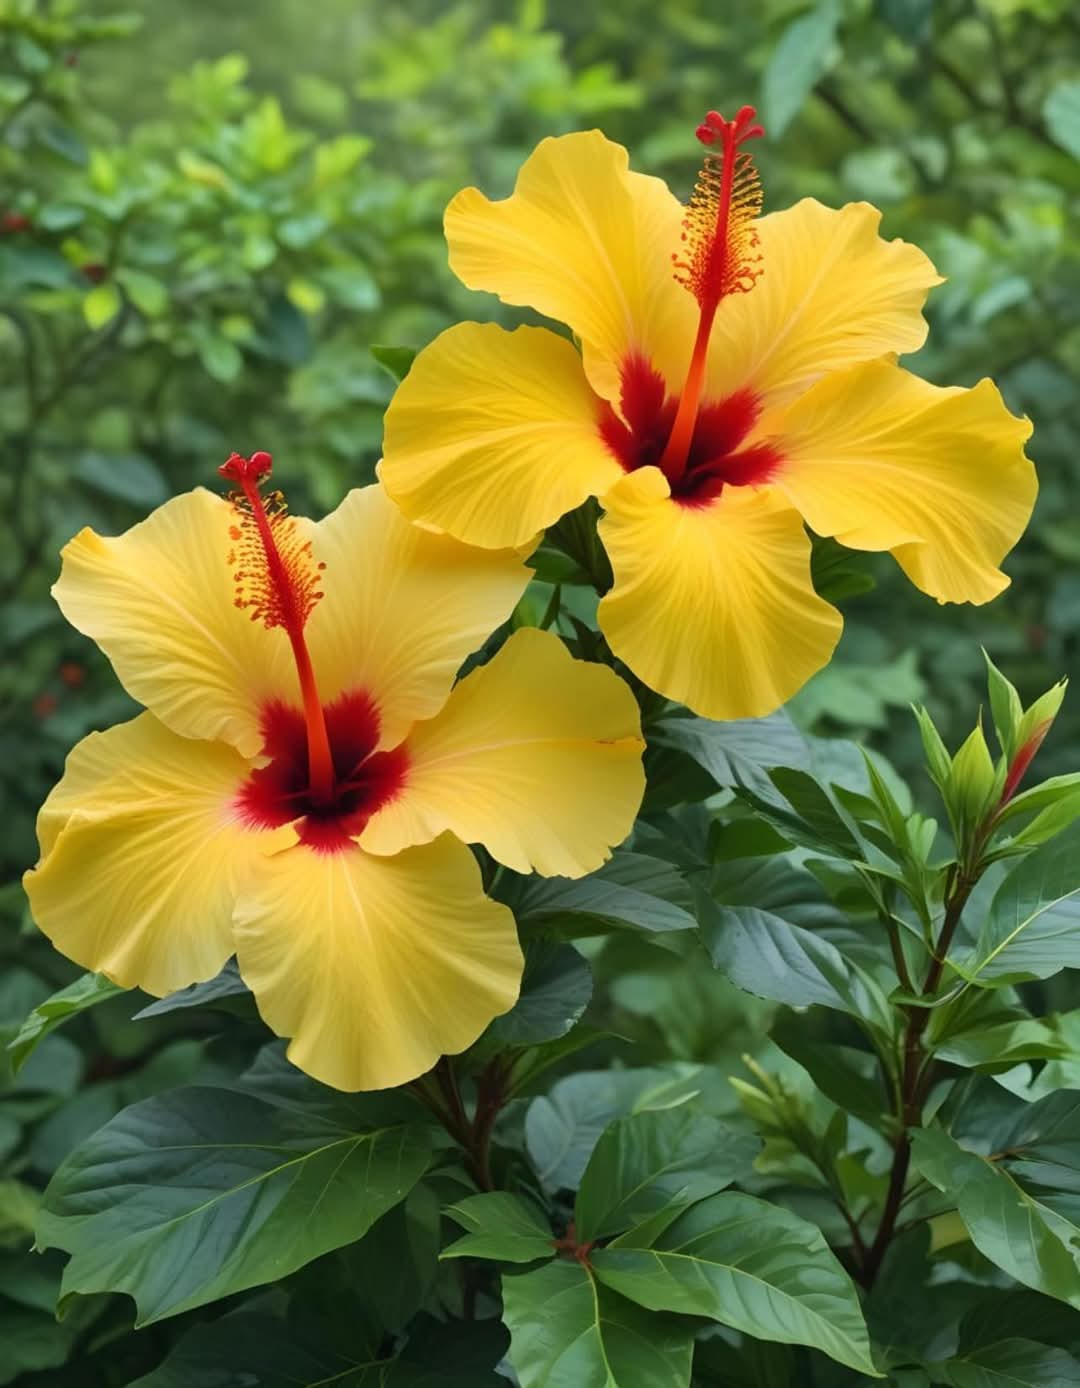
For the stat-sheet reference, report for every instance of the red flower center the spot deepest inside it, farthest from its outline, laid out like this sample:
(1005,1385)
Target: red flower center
(364,780)
(716,456)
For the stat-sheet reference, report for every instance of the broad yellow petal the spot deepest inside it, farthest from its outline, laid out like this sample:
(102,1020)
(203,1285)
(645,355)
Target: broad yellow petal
(584,241)
(402,608)
(493,436)
(159,601)
(143,855)
(832,293)
(882,460)
(536,755)
(713,605)
(376,966)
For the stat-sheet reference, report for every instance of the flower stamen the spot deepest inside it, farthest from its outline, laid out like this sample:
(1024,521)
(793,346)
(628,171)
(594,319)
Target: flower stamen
(721,242)
(277,580)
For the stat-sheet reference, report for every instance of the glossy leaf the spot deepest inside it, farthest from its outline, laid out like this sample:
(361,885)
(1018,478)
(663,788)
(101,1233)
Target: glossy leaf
(186,1198)
(648,1162)
(555,990)
(750,1265)
(1013,1363)
(68,1002)
(568,1331)
(501,1226)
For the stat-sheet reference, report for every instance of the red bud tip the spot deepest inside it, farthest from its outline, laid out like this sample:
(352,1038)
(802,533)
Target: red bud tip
(14,221)
(94,271)
(1023,758)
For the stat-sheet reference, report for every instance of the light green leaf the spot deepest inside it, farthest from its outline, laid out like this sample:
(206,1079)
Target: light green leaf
(1022,1235)
(1004,1044)
(750,1265)
(202,1192)
(567,1331)
(648,1162)
(149,294)
(798,62)
(85,992)
(1031,929)
(101,304)
(1061,112)
(500,1226)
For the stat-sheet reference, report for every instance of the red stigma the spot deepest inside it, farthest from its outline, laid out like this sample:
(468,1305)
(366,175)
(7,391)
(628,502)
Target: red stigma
(721,259)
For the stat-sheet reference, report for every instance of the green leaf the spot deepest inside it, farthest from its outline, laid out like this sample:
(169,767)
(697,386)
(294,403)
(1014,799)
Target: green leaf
(101,304)
(1030,930)
(202,1192)
(1022,1235)
(1011,1364)
(562,1128)
(649,1162)
(149,294)
(555,990)
(129,477)
(396,360)
(1061,112)
(226,984)
(566,1331)
(631,889)
(750,1265)
(736,753)
(1004,1044)
(85,992)
(500,1226)
(771,958)
(799,61)
(850,1078)
(220,358)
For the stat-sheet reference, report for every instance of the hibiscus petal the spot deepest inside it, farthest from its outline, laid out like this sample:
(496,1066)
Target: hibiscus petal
(584,241)
(402,608)
(713,605)
(143,854)
(376,966)
(493,436)
(536,755)
(832,293)
(883,460)
(160,602)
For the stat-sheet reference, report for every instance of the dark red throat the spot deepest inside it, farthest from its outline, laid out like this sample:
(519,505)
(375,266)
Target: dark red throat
(717,455)
(364,780)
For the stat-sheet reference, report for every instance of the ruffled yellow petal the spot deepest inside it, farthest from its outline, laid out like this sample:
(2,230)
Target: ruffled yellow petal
(536,755)
(376,966)
(402,608)
(882,460)
(713,606)
(159,601)
(142,856)
(832,293)
(493,436)
(584,241)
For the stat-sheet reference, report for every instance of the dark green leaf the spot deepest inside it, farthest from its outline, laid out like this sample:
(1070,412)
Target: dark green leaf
(632,889)
(750,1265)
(500,1226)
(555,990)
(183,1199)
(227,984)
(396,360)
(1011,1364)
(653,1161)
(566,1331)
(736,753)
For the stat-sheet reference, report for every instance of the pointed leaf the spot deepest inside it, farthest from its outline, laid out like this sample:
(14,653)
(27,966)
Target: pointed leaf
(500,1226)
(567,1331)
(202,1192)
(750,1265)
(648,1162)
(85,992)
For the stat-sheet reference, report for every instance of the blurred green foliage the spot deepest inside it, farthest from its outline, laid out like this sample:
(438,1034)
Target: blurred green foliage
(208,217)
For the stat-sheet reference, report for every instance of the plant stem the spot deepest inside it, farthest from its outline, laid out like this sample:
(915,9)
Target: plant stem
(913,1075)
(472,1134)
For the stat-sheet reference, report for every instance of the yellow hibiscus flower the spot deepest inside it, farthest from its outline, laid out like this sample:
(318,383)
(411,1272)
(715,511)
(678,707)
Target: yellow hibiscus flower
(712,410)
(307,775)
